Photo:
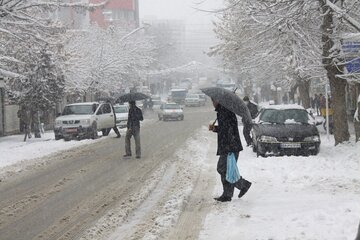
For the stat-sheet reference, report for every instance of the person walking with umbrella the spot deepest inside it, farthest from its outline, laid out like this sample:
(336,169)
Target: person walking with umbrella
(133,124)
(133,129)
(247,127)
(226,103)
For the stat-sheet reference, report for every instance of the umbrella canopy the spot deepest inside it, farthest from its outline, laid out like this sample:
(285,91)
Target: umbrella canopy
(134,96)
(230,101)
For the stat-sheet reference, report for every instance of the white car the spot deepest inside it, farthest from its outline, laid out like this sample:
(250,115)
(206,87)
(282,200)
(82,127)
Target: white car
(122,112)
(193,100)
(84,120)
(171,111)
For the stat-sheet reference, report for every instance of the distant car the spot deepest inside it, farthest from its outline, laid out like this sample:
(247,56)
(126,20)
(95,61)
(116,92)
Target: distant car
(157,104)
(201,95)
(171,111)
(285,130)
(84,120)
(121,112)
(193,100)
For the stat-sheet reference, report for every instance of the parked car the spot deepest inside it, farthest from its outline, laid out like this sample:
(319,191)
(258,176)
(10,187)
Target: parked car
(171,111)
(84,120)
(193,100)
(285,130)
(122,112)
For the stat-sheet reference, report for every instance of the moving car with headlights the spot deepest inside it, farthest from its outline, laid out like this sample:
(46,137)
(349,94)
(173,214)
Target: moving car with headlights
(193,100)
(171,111)
(84,120)
(285,130)
(121,112)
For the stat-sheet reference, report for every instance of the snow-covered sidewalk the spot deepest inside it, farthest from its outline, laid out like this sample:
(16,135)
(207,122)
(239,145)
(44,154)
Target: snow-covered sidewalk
(316,197)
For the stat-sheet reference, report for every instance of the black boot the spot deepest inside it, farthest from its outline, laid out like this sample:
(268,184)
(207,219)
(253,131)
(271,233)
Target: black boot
(245,188)
(223,199)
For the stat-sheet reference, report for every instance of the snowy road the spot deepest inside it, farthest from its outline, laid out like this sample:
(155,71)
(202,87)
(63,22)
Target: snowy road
(91,192)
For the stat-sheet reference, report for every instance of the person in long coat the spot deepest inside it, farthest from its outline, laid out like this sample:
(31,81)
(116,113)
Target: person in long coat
(116,130)
(247,127)
(228,141)
(133,129)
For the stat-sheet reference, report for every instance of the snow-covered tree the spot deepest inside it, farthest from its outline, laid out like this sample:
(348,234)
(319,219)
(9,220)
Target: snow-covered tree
(106,58)
(29,23)
(42,87)
(290,42)
(31,52)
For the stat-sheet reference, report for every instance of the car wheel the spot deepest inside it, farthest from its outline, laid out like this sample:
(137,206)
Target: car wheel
(159,117)
(57,137)
(254,148)
(259,153)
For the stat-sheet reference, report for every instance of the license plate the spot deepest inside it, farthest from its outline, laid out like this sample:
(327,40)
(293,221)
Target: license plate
(290,145)
(71,130)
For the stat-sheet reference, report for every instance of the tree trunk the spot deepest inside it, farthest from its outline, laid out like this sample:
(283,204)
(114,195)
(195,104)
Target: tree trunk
(36,124)
(292,93)
(357,123)
(337,85)
(304,90)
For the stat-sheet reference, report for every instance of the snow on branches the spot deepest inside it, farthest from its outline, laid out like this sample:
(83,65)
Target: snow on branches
(104,59)
(285,35)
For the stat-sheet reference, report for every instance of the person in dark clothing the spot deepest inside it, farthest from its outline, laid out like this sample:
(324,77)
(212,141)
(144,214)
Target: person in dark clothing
(133,129)
(228,141)
(116,130)
(247,127)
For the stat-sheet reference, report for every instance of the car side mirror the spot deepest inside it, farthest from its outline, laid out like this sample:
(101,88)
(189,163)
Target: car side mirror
(58,114)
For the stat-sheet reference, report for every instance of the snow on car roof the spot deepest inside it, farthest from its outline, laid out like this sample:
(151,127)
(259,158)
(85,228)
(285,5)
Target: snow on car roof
(83,103)
(284,106)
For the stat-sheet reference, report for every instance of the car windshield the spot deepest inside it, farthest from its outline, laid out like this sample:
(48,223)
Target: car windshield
(121,109)
(79,109)
(284,116)
(172,106)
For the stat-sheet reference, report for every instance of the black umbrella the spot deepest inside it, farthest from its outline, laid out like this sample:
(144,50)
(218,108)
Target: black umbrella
(134,96)
(230,101)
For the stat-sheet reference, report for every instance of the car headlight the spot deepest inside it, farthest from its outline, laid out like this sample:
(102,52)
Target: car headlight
(58,122)
(85,121)
(312,139)
(268,139)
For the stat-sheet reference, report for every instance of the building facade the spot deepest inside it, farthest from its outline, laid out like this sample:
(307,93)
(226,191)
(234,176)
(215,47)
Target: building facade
(124,13)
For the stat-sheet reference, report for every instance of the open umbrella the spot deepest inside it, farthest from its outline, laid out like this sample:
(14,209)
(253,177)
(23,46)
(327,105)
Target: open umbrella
(133,96)
(230,101)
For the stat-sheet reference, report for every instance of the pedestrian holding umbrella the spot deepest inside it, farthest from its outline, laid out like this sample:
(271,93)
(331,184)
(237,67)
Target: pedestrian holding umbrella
(133,124)
(227,104)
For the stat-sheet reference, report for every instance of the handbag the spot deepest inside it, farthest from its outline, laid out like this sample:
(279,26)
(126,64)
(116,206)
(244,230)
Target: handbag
(232,171)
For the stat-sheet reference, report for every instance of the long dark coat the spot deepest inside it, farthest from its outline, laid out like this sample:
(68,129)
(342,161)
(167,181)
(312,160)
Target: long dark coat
(227,131)
(134,117)
(252,109)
